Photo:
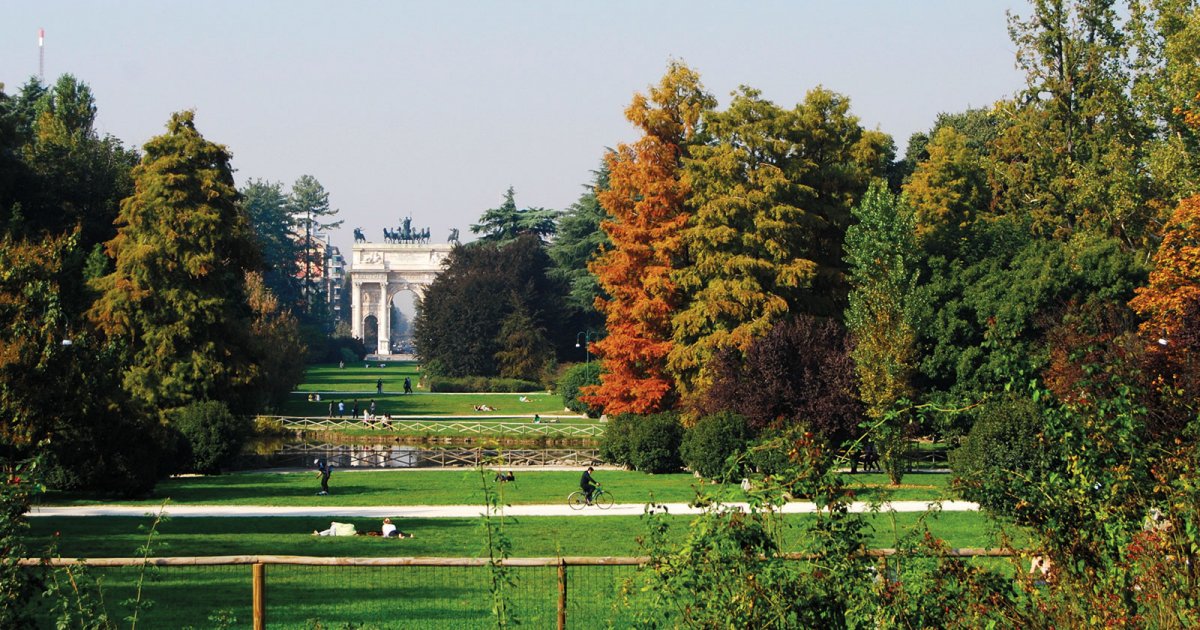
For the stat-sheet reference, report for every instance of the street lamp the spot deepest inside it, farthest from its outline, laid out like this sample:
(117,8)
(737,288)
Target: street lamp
(587,336)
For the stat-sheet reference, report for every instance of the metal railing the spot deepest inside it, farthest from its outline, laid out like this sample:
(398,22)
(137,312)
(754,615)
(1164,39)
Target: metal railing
(442,427)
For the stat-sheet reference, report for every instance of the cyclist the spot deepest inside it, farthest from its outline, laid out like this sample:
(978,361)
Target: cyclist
(587,484)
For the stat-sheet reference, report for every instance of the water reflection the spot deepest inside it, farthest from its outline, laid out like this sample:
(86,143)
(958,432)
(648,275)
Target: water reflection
(279,454)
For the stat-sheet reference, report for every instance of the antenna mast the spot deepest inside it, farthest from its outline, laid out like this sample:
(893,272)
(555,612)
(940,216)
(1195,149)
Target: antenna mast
(41,55)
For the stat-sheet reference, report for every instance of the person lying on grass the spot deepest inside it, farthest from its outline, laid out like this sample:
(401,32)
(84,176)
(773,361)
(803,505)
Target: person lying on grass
(347,529)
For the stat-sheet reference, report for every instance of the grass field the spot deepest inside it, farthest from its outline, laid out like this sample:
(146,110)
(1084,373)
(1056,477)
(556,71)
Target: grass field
(356,382)
(463,487)
(532,536)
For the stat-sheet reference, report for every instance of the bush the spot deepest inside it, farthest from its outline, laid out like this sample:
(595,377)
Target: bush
(1003,455)
(213,435)
(323,349)
(707,445)
(481,384)
(617,436)
(646,443)
(575,378)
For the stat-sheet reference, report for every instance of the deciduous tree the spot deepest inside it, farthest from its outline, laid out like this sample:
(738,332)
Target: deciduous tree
(646,205)
(771,191)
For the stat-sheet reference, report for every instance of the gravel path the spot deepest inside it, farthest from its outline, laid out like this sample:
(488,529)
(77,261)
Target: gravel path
(454,511)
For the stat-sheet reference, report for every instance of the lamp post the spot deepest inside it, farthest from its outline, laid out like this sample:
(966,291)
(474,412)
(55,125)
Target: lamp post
(586,336)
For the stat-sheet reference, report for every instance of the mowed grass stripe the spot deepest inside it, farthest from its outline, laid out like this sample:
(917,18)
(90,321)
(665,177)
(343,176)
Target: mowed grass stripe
(464,487)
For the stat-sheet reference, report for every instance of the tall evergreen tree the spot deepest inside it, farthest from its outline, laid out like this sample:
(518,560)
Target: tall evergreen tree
(579,240)
(176,301)
(267,208)
(508,222)
(309,207)
(646,205)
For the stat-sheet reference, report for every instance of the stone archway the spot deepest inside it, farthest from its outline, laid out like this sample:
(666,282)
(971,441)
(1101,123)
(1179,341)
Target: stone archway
(378,271)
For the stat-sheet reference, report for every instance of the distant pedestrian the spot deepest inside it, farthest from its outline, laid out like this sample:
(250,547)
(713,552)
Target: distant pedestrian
(371,408)
(354,409)
(331,409)
(407,385)
(341,365)
(324,469)
(341,408)
(379,386)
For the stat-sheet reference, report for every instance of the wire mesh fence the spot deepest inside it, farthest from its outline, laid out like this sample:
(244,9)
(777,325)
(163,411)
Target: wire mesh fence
(320,592)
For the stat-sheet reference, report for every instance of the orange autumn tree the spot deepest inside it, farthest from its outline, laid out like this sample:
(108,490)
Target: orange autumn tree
(646,215)
(1170,304)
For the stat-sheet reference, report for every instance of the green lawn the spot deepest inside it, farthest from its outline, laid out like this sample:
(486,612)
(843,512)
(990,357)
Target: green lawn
(357,378)
(532,536)
(462,487)
(425,404)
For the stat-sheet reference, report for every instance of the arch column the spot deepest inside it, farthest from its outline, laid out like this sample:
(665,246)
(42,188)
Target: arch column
(385,320)
(356,314)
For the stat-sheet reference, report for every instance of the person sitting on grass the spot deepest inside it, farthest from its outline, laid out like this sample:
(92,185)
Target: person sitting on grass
(389,530)
(502,476)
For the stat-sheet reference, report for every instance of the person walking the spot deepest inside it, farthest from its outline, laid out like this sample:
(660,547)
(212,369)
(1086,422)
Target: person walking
(407,385)
(379,386)
(371,408)
(324,469)
(341,408)
(354,409)
(331,409)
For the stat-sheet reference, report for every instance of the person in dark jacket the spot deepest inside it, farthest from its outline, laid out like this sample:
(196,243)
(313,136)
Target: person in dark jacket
(587,484)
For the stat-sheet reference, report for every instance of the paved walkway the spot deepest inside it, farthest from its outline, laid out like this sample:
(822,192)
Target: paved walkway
(455,511)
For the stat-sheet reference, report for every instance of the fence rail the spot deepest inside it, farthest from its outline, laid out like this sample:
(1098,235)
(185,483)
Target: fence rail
(445,426)
(287,593)
(407,456)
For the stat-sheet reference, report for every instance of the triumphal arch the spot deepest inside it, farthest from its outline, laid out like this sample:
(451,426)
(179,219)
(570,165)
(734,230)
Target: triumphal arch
(378,271)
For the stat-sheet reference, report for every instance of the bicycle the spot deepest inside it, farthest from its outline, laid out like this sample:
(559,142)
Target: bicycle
(601,498)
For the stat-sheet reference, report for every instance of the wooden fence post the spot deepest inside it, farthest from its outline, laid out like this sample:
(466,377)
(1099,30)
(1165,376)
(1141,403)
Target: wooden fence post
(562,594)
(260,613)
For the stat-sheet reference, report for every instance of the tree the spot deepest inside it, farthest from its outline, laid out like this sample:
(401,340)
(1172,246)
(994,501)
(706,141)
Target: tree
(308,204)
(1166,91)
(645,203)
(771,191)
(61,399)
(947,192)
(176,301)
(1070,153)
(267,207)
(799,374)
(883,258)
(485,305)
(579,240)
(506,223)
(1169,304)
(276,346)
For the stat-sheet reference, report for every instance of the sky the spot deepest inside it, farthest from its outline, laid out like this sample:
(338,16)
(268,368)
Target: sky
(433,109)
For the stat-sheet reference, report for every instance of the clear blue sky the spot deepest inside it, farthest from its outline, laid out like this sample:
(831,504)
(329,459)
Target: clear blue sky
(433,109)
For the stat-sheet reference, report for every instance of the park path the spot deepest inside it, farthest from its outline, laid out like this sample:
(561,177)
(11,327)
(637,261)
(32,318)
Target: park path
(457,511)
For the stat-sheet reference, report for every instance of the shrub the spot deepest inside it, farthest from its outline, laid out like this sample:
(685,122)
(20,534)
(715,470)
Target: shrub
(213,435)
(654,443)
(484,384)
(617,436)
(707,445)
(323,349)
(575,378)
(1003,455)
